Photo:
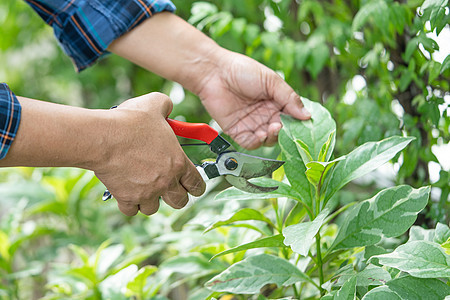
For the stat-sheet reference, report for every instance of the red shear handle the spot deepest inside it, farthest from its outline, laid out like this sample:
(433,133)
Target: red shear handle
(197,131)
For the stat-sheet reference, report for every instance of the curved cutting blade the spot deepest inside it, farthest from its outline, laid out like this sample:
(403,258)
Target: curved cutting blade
(246,186)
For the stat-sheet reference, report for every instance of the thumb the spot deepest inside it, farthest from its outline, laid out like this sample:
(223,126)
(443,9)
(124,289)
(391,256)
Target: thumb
(289,100)
(164,103)
(150,102)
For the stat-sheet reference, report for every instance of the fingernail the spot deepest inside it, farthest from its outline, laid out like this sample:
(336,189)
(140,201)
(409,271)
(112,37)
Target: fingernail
(305,112)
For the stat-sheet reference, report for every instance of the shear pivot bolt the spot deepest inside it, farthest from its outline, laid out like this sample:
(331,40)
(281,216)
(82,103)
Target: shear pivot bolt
(231,163)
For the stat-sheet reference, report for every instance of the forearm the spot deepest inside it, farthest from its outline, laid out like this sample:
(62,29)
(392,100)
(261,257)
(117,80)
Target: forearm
(53,135)
(170,47)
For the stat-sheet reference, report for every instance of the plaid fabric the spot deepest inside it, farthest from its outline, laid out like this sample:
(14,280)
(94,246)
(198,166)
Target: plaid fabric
(9,118)
(85,28)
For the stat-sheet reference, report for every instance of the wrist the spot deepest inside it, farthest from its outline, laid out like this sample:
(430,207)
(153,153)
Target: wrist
(94,150)
(206,62)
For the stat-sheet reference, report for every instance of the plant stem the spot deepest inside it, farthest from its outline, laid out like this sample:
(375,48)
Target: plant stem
(336,213)
(296,293)
(319,264)
(277,215)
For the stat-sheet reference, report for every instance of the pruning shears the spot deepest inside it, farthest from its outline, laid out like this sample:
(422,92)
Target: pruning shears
(236,167)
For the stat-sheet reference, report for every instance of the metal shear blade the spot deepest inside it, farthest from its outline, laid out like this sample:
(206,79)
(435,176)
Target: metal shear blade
(246,186)
(238,167)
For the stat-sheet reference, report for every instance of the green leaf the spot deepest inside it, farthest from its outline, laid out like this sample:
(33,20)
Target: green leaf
(111,287)
(434,69)
(223,24)
(201,10)
(428,43)
(405,79)
(325,153)
(398,16)
(410,48)
(377,9)
(271,241)
(80,252)
(300,236)
(303,149)
(238,27)
(372,250)
(189,263)
(446,246)
(251,34)
(286,60)
(283,190)
(250,275)
(315,132)
(137,285)
(301,55)
(295,169)
(442,233)
(4,246)
(107,258)
(435,9)
(363,160)
(390,213)
(410,288)
(317,171)
(85,274)
(244,214)
(381,293)
(371,275)
(418,258)
(296,215)
(417,233)
(445,64)
(317,58)
(347,291)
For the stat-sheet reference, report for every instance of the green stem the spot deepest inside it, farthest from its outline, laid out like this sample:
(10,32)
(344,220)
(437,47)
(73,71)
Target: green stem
(279,226)
(336,213)
(319,264)
(317,202)
(296,293)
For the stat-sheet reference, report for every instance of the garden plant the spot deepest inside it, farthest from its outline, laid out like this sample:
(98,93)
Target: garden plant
(362,208)
(347,260)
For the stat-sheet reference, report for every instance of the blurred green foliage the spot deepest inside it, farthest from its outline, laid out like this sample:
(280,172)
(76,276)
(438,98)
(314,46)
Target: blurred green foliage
(372,64)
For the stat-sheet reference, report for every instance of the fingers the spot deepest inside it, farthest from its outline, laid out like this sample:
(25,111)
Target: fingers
(288,98)
(249,140)
(272,134)
(128,209)
(176,196)
(149,207)
(192,181)
(266,135)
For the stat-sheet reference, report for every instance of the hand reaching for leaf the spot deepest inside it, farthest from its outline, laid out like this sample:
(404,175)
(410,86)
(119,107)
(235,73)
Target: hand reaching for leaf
(246,99)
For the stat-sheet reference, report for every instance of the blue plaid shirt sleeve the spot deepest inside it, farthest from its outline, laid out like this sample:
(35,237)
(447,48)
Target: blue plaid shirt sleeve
(85,28)
(9,118)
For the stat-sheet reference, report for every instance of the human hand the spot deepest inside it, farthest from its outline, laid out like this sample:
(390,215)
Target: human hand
(246,99)
(144,159)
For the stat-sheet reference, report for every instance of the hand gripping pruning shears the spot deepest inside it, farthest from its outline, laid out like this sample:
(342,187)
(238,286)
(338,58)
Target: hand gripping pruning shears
(236,167)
